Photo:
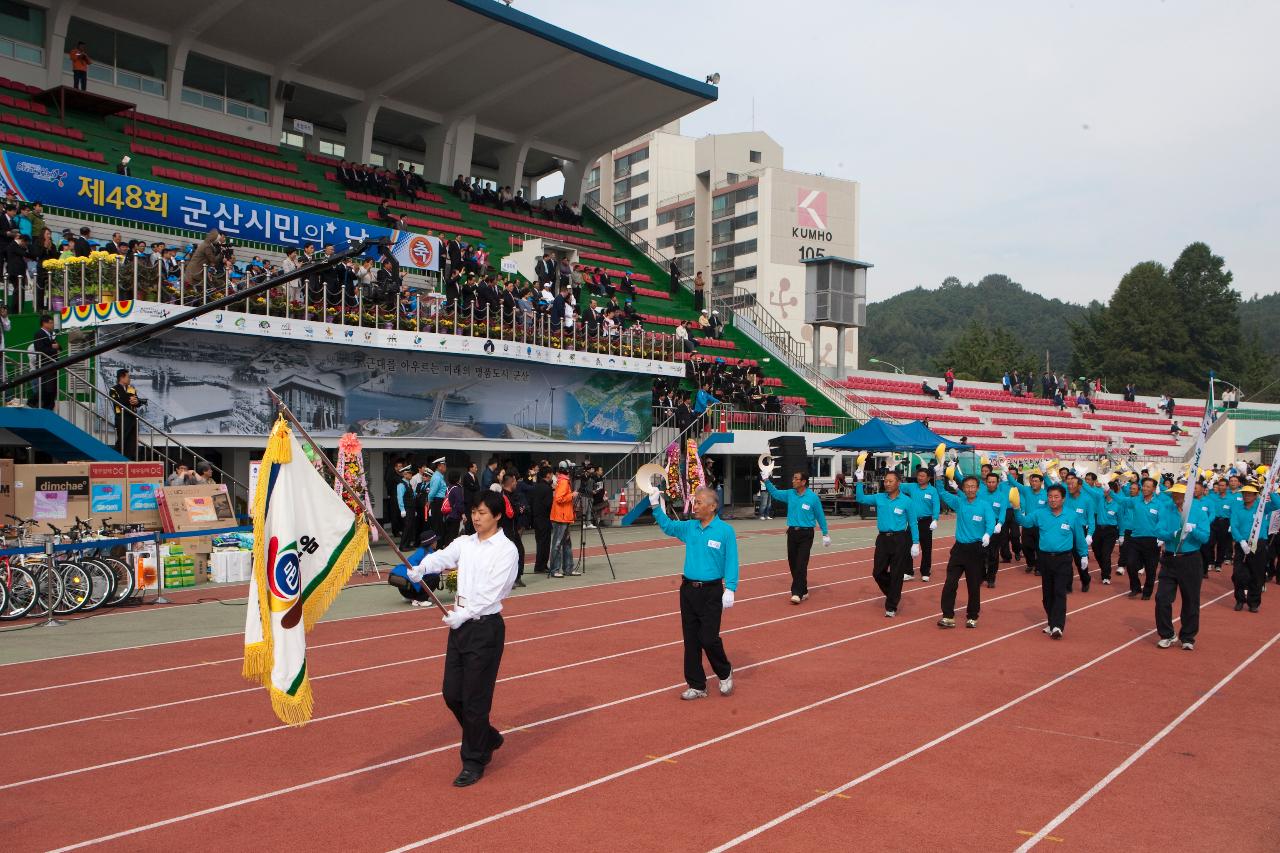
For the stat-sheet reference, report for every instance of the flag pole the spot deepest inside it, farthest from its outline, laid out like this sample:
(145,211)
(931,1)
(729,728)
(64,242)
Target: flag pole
(334,472)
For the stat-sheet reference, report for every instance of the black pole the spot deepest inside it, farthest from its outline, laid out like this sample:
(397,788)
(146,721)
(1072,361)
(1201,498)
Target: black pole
(355,249)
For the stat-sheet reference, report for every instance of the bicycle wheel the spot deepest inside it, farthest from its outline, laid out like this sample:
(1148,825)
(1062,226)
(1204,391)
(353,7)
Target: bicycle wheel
(102,582)
(21,592)
(4,598)
(48,589)
(77,586)
(125,583)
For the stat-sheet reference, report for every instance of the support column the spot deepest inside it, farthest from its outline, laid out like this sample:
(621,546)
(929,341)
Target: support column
(177,73)
(511,164)
(817,348)
(55,42)
(448,149)
(840,332)
(575,177)
(359,141)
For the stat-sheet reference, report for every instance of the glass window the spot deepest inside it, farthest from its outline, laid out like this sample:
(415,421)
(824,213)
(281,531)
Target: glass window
(205,75)
(721,232)
(333,149)
(248,87)
(227,88)
(677,214)
(594,196)
(640,224)
(746,247)
(593,177)
(293,140)
(683,241)
(376,159)
(746,220)
(622,165)
(754,156)
(744,274)
(685,265)
(22,23)
(722,205)
(666,241)
(141,56)
(119,58)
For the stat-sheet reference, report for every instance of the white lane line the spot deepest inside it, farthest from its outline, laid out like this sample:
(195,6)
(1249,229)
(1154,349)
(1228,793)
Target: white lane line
(238,659)
(626,771)
(401,612)
(925,747)
(423,659)
(347,774)
(341,714)
(1143,750)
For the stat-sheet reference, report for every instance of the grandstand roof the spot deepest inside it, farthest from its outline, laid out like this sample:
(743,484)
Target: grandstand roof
(427,61)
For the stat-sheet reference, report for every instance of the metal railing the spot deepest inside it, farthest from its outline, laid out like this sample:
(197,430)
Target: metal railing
(103,280)
(751,318)
(90,409)
(653,449)
(637,242)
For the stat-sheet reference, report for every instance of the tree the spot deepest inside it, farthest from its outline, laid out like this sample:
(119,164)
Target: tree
(983,354)
(1206,304)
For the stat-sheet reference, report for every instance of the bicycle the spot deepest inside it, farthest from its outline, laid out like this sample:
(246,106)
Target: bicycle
(102,579)
(77,585)
(28,580)
(119,577)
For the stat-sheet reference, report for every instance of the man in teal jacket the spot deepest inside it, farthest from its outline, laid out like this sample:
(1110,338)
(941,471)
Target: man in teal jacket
(804,511)
(1249,564)
(1181,569)
(995,492)
(896,523)
(706,589)
(1142,520)
(975,522)
(928,511)
(1061,535)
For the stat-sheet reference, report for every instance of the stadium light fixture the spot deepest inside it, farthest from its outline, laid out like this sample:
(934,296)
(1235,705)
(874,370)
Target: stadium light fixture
(714,79)
(895,367)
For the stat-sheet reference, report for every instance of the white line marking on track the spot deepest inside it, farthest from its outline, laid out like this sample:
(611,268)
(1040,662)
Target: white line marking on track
(1144,749)
(398,612)
(347,774)
(925,747)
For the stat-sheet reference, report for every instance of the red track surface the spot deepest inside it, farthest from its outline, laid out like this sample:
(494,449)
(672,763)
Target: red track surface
(844,725)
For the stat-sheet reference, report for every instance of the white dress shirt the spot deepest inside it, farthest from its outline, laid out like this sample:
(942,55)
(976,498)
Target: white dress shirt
(486,571)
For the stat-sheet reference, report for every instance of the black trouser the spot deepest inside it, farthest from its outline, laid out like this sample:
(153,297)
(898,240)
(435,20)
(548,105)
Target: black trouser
(926,546)
(1055,583)
(1080,569)
(412,529)
(1125,558)
(993,554)
(1179,573)
(1011,543)
(968,559)
(127,435)
(1220,538)
(891,561)
(1249,573)
(542,544)
(80,79)
(799,544)
(470,673)
(1275,556)
(1146,556)
(700,610)
(1031,547)
(437,518)
(1104,542)
(518,541)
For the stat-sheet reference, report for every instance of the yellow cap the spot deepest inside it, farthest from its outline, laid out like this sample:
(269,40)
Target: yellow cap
(862,458)
(940,451)
(1250,487)
(1015,499)
(1178,489)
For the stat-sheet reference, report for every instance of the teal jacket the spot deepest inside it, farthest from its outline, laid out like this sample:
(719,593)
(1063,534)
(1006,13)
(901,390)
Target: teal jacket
(803,510)
(710,552)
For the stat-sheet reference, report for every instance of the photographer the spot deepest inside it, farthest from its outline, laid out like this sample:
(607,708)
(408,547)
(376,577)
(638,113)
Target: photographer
(126,404)
(209,253)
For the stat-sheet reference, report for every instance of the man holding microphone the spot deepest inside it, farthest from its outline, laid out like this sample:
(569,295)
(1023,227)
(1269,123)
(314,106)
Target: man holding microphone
(706,589)
(804,511)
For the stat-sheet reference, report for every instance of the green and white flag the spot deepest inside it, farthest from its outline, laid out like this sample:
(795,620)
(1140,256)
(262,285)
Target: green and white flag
(306,544)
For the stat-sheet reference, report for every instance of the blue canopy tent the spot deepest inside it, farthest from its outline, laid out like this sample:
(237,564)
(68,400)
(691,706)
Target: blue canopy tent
(878,436)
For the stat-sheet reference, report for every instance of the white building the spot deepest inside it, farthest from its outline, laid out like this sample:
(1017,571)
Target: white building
(724,205)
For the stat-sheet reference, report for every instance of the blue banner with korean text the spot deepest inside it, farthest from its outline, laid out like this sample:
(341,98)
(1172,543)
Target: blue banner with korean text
(166,205)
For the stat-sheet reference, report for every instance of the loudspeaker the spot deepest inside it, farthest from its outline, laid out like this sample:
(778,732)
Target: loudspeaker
(285,91)
(791,454)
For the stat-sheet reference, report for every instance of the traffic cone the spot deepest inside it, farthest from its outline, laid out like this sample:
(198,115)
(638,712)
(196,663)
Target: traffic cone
(724,421)
(622,503)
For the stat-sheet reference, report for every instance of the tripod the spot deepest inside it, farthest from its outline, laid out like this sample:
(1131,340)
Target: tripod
(582,547)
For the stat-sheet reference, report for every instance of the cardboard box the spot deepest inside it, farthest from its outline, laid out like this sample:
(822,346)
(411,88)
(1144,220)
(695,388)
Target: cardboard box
(8,496)
(144,479)
(107,491)
(52,494)
(187,508)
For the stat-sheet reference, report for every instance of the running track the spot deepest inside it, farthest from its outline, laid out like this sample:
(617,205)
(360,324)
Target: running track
(845,725)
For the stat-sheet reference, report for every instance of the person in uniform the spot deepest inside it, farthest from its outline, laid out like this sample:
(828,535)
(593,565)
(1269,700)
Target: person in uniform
(928,509)
(804,511)
(126,402)
(1181,568)
(1250,562)
(709,581)
(975,523)
(898,532)
(486,564)
(1062,534)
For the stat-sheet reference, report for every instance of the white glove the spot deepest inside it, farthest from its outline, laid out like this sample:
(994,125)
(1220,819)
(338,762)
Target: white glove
(657,501)
(996,529)
(859,474)
(454,618)
(1159,543)
(726,600)
(403,513)
(1189,527)
(1121,542)
(986,539)
(933,525)
(766,471)
(826,541)
(1244,547)
(1088,539)
(495,487)
(415,573)
(915,549)
(1084,563)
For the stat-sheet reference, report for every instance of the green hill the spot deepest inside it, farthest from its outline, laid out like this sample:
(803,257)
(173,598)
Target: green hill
(1261,316)
(912,329)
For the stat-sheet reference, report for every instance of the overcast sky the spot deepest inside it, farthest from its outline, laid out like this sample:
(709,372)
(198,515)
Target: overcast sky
(1057,143)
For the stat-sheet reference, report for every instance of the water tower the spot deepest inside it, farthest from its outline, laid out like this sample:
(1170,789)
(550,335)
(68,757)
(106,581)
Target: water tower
(835,291)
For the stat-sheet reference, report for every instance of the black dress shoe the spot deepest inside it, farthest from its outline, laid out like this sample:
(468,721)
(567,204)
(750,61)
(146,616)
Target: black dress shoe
(1146,596)
(991,584)
(1253,608)
(1084,585)
(498,744)
(519,582)
(468,777)
(1133,593)
(1239,606)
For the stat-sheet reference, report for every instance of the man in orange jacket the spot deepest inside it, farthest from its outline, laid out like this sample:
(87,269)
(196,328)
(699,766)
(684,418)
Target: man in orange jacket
(561,520)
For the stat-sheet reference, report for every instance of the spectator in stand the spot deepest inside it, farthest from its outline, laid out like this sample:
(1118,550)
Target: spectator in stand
(81,245)
(1046,386)
(43,250)
(951,381)
(1005,383)
(388,216)
(699,286)
(47,346)
(1083,401)
(15,264)
(926,390)
(715,326)
(115,245)
(1058,400)
(80,63)
(122,168)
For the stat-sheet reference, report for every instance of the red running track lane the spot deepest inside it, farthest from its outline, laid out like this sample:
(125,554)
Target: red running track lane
(111,744)
(327,750)
(1029,753)
(98,664)
(549,757)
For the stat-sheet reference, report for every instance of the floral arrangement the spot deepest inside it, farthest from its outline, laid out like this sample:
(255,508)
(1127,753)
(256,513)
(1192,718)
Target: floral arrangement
(675,483)
(355,490)
(693,473)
